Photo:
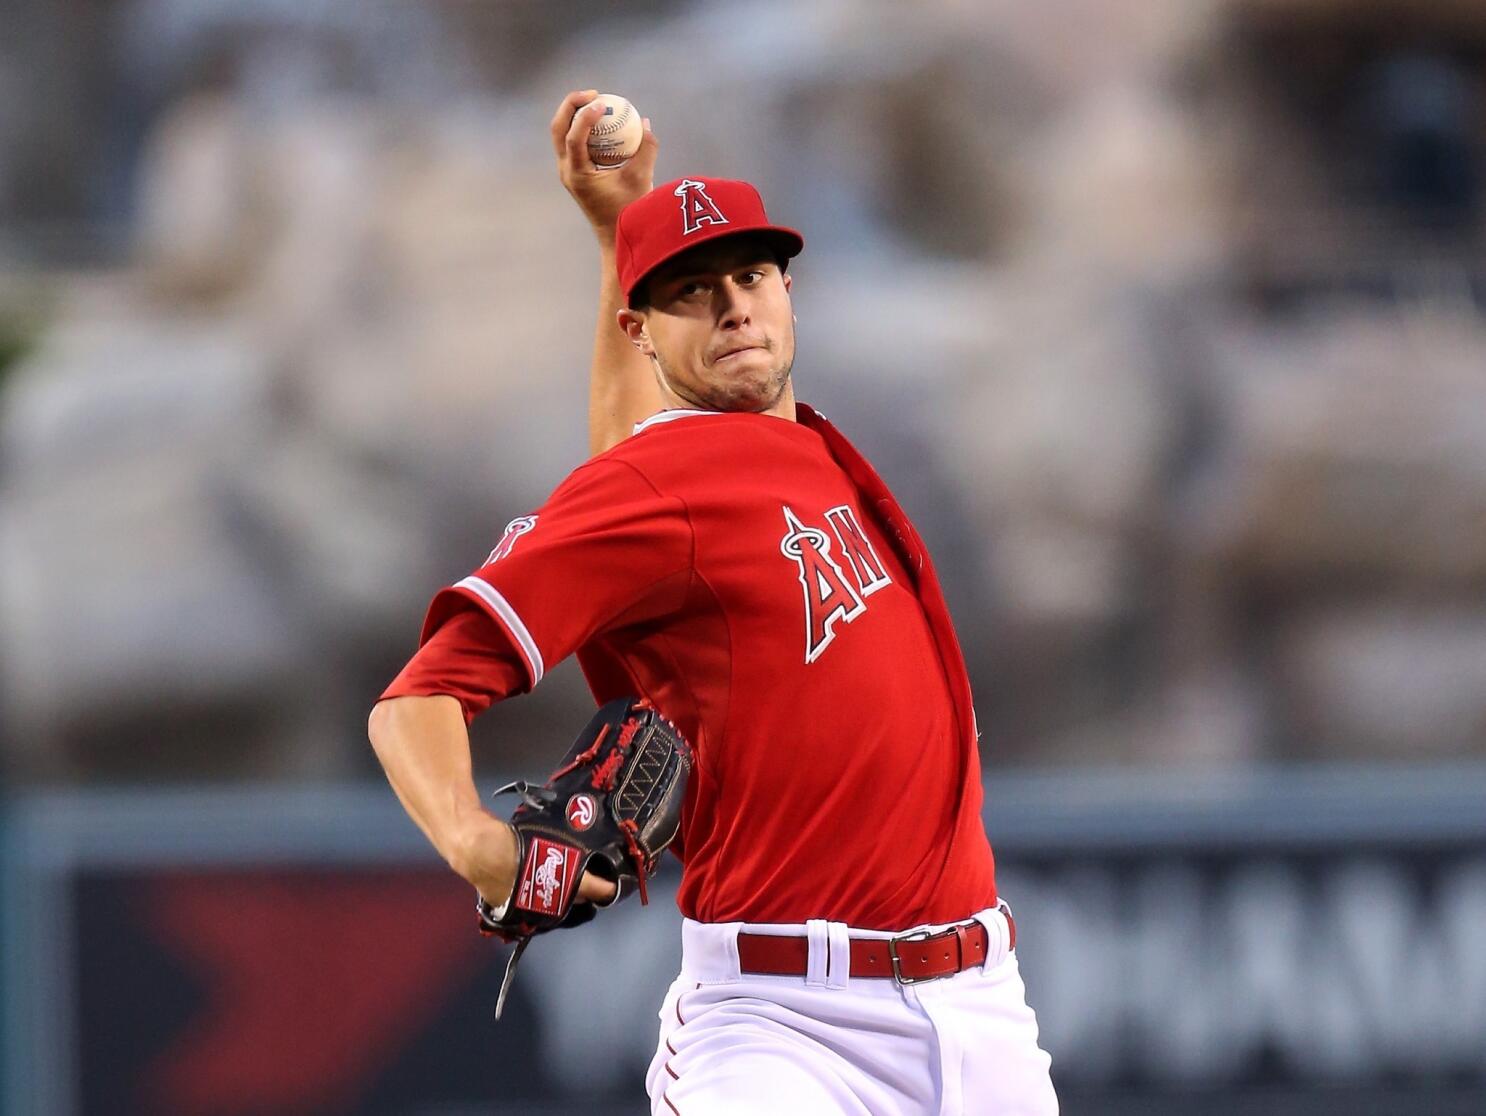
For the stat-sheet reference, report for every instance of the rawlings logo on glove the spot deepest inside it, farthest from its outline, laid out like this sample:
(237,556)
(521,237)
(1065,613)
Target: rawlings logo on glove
(612,807)
(553,879)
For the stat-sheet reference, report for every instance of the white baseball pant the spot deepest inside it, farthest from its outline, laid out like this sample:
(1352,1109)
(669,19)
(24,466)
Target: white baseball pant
(741,1044)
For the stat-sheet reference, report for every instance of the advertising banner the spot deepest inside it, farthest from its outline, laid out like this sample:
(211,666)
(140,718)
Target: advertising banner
(1288,943)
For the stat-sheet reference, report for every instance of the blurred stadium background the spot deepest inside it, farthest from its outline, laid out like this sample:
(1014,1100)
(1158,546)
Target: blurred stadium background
(1163,317)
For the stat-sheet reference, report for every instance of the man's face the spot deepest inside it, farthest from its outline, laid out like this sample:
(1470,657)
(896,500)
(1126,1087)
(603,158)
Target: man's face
(720,325)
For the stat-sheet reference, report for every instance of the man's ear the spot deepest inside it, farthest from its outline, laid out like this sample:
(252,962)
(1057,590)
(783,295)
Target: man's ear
(789,280)
(633,324)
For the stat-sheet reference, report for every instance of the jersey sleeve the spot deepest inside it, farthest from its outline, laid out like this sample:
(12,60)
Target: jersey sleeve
(606,550)
(471,659)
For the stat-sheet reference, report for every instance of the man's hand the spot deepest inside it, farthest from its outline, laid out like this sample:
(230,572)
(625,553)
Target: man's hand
(600,193)
(486,857)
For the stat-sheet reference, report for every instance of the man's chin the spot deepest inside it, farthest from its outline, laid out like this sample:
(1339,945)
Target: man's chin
(750,398)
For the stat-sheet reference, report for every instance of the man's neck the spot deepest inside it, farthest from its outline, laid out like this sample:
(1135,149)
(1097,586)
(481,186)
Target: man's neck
(784,406)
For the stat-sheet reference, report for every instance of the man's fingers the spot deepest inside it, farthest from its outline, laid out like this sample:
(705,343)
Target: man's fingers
(596,889)
(562,119)
(577,139)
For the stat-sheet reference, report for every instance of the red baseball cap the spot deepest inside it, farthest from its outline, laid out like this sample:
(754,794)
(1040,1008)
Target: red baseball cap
(690,211)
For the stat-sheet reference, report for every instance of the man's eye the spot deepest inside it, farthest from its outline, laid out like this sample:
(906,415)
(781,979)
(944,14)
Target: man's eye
(689,289)
(752,276)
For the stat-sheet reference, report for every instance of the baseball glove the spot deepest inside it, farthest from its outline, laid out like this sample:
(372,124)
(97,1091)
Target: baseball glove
(612,807)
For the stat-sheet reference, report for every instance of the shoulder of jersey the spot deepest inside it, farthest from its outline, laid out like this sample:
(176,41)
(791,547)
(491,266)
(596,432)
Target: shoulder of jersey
(664,442)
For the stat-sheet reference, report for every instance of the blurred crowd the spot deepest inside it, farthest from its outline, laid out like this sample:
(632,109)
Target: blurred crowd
(1163,317)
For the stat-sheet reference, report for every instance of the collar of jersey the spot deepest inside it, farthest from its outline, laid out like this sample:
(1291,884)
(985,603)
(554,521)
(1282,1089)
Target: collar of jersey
(669,416)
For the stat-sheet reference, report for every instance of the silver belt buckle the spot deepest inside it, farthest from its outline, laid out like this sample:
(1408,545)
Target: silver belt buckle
(892,952)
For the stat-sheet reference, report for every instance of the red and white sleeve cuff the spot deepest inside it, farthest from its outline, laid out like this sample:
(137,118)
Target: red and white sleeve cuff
(507,617)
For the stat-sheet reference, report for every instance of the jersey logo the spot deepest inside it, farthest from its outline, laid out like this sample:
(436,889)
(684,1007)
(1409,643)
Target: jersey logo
(831,597)
(514,530)
(870,573)
(697,207)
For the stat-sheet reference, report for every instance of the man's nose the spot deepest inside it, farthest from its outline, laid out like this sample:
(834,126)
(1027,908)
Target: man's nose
(733,305)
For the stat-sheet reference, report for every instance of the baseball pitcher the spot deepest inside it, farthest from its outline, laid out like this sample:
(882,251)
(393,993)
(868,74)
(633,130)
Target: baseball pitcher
(735,578)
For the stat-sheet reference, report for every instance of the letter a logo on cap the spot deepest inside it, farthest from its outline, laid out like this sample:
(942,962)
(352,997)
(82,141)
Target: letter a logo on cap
(697,209)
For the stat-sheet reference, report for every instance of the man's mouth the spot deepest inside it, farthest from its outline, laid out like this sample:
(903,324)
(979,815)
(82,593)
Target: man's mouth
(737,350)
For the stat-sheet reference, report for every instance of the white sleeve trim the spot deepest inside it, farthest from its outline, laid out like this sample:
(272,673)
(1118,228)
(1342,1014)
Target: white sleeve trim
(503,612)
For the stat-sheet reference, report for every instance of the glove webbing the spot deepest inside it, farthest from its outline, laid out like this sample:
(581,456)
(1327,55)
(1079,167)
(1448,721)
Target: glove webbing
(585,756)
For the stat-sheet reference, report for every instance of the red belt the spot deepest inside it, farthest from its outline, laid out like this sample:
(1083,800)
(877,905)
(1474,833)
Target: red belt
(909,959)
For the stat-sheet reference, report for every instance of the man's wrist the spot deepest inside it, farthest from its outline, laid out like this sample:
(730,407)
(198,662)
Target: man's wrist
(498,910)
(485,849)
(504,894)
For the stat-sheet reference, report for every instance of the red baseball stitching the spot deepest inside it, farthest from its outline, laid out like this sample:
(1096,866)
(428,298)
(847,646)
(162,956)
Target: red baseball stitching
(667,1066)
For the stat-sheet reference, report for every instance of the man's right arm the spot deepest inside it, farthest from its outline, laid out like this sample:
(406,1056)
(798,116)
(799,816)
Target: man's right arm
(419,733)
(605,544)
(424,748)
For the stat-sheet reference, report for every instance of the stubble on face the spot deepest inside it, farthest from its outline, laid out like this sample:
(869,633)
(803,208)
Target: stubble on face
(756,391)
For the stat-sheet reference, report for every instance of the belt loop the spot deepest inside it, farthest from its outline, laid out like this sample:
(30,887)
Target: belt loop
(733,967)
(709,951)
(838,938)
(817,933)
(996,937)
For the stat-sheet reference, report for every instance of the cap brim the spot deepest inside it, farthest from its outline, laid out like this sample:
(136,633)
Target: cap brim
(786,242)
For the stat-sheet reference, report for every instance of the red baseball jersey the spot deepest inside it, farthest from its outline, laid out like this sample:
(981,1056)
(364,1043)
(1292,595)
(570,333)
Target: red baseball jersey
(754,578)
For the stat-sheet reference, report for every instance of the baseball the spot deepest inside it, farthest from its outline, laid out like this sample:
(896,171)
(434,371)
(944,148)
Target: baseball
(616,137)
